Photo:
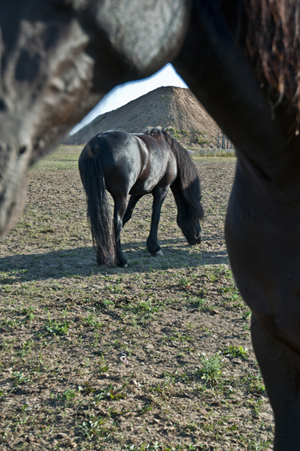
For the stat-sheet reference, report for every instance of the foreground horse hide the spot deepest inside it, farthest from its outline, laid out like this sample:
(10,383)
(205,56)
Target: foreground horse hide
(241,59)
(248,79)
(58,59)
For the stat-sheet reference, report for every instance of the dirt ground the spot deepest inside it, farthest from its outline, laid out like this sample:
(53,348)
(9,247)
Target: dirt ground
(156,356)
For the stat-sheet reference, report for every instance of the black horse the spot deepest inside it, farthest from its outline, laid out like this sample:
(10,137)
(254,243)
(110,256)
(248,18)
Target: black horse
(137,164)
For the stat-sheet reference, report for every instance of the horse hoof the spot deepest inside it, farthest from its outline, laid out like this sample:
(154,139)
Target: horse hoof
(159,253)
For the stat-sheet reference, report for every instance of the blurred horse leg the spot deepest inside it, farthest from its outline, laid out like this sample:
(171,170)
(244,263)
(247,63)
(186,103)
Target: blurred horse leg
(281,374)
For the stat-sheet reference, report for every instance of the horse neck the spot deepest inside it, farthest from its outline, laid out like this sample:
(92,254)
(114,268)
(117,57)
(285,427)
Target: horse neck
(180,199)
(181,175)
(186,188)
(186,191)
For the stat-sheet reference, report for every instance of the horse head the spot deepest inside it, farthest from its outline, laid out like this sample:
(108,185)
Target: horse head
(189,224)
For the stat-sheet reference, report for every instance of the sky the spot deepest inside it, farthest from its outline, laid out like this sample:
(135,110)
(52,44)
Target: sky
(123,94)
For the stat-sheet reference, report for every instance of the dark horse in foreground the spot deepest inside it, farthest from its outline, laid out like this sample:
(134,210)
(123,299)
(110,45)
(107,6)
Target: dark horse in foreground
(137,164)
(241,59)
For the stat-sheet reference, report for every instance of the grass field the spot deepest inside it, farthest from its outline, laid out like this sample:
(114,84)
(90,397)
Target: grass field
(156,356)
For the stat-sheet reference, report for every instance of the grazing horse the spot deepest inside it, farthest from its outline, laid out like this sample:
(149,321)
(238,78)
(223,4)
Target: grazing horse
(241,59)
(137,164)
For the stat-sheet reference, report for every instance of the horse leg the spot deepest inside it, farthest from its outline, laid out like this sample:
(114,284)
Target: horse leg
(130,207)
(119,210)
(281,375)
(159,195)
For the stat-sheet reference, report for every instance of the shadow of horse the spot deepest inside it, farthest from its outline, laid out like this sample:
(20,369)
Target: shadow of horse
(80,262)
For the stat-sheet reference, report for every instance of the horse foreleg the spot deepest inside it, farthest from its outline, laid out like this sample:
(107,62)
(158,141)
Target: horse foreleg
(130,207)
(119,210)
(281,375)
(159,196)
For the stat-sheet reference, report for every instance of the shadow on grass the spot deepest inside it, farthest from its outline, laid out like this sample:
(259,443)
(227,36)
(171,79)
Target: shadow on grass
(81,262)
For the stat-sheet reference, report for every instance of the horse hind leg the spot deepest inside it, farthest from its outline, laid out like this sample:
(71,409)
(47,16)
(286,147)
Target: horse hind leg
(119,211)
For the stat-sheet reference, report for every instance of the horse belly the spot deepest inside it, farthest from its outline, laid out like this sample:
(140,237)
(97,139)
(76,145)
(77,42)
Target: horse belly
(148,181)
(143,187)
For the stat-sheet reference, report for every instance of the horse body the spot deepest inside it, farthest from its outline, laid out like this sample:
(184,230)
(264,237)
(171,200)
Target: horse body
(124,164)
(150,164)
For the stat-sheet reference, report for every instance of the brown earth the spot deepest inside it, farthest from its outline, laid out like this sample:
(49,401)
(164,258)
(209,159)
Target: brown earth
(156,356)
(175,109)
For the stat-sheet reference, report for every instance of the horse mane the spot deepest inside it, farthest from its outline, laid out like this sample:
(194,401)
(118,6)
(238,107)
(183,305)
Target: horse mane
(272,44)
(188,176)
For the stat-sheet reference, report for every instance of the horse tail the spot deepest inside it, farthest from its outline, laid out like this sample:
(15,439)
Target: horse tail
(98,210)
